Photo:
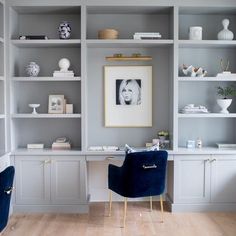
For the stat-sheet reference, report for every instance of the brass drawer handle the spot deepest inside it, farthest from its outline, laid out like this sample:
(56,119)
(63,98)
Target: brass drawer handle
(149,167)
(110,158)
(9,191)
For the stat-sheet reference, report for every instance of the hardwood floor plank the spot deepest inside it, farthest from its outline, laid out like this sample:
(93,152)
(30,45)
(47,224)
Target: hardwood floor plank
(140,222)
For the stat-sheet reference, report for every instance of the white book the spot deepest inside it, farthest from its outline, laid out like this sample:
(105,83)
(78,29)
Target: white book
(35,146)
(147,33)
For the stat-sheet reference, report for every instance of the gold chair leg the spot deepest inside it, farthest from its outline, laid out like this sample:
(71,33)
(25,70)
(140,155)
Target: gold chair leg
(125,209)
(110,202)
(150,203)
(161,202)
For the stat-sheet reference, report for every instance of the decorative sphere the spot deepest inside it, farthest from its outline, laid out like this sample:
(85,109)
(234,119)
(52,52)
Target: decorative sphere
(64,64)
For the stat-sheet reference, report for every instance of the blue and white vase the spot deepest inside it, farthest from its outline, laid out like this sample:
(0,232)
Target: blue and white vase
(32,69)
(64,30)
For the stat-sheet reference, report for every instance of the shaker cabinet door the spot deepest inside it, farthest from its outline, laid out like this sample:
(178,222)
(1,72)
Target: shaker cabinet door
(192,175)
(32,180)
(68,180)
(223,179)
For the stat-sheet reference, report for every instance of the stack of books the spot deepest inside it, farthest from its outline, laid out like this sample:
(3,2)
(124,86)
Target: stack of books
(58,73)
(146,35)
(61,144)
(191,109)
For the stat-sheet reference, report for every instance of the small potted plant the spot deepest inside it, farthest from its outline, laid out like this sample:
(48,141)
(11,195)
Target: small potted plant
(225,101)
(163,135)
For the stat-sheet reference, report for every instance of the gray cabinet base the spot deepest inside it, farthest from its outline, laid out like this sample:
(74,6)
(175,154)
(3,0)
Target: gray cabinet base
(81,208)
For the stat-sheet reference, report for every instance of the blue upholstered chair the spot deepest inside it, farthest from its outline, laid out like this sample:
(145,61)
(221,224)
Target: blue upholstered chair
(141,175)
(6,182)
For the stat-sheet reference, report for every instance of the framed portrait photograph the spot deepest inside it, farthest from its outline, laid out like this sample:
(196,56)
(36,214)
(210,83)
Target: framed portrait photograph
(128,96)
(56,104)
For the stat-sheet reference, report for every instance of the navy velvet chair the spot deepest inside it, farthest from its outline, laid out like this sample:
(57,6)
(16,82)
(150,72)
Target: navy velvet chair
(141,175)
(6,182)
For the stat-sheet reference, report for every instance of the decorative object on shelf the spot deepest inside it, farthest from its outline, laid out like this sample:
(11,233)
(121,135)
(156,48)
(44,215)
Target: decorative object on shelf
(62,143)
(69,108)
(191,109)
(190,144)
(199,143)
(33,37)
(64,30)
(225,34)
(34,106)
(225,93)
(164,142)
(195,33)
(108,34)
(64,65)
(225,69)
(226,145)
(147,35)
(193,71)
(32,69)
(35,146)
(133,57)
(128,96)
(56,104)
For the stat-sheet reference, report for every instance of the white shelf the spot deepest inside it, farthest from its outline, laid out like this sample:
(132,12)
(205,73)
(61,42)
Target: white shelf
(128,43)
(206,43)
(207,115)
(46,43)
(48,79)
(46,151)
(38,116)
(1,40)
(202,79)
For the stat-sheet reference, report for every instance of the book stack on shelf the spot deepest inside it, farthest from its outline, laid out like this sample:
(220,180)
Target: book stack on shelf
(147,35)
(61,144)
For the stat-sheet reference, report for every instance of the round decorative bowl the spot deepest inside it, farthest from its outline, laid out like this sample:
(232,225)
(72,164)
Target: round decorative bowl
(108,34)
(32,70)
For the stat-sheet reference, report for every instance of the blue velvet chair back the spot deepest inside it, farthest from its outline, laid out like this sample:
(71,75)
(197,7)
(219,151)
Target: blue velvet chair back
(142,174)
(6,182)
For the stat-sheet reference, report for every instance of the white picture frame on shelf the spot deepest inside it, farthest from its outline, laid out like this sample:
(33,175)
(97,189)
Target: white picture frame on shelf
(128,96)
(56,104)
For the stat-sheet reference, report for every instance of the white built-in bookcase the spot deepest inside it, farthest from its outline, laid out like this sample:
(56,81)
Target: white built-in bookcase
(171,91)
(2,79)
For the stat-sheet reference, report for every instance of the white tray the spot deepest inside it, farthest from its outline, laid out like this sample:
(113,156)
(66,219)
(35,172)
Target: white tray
(226,145)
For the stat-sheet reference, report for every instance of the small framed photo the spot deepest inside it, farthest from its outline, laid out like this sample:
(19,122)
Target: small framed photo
(128,96)
(56,104)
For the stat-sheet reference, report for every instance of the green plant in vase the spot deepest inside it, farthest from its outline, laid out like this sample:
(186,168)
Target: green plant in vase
(225,101)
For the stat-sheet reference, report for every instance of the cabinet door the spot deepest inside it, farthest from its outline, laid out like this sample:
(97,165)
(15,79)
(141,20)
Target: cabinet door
(68,180)
(32,180)
(223,179)
(192,178)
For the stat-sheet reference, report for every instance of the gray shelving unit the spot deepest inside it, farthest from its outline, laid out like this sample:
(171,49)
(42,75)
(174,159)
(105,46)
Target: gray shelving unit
(3,134)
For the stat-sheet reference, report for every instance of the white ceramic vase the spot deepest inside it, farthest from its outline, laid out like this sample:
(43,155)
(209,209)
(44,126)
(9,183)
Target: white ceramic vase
(32,69)
(224,104)
(225,34)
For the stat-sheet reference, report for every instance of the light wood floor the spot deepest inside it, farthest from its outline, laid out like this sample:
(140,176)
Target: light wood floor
(140,221)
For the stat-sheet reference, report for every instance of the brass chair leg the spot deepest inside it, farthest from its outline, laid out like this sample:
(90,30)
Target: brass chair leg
(125,209)
(161,202)
(110,202)
(150,203)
